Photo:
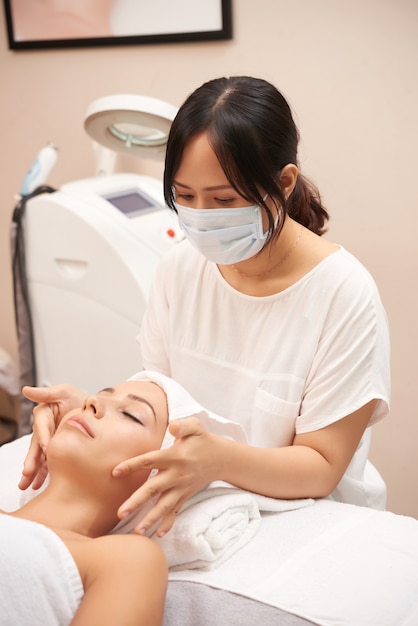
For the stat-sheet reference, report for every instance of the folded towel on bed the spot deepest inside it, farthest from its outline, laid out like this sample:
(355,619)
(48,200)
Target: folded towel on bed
(212,526)
(40,582)
(217,522)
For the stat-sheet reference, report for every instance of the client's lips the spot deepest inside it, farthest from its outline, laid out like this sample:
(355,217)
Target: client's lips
(78,422)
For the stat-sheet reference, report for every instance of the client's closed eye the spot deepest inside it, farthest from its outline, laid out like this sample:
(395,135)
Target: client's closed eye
(133,417)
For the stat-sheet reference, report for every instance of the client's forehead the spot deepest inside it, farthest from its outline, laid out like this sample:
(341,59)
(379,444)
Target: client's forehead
(143,391)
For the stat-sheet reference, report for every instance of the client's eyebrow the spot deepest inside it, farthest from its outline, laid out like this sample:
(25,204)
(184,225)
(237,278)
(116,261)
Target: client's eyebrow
(133,396)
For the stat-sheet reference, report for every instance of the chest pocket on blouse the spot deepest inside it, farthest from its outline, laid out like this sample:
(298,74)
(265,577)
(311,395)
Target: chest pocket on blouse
(273,421)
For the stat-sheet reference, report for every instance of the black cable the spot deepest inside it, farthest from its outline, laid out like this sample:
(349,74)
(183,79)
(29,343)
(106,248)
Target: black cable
(20,283)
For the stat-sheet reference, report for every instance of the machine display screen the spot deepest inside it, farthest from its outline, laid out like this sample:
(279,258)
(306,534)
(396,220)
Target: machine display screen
(131,203)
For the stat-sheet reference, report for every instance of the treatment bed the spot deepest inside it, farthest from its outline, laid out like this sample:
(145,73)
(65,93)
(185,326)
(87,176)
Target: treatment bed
(317,562)
(327,564)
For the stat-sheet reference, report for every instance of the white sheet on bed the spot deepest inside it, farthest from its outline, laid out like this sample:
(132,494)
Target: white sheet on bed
(330,563)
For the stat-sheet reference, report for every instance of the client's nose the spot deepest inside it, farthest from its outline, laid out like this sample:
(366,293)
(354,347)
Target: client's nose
(95,405)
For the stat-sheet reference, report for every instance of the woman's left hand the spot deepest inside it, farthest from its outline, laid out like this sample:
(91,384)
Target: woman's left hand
(183,469)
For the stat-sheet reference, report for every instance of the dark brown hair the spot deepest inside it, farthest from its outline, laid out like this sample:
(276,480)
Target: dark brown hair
(253,134)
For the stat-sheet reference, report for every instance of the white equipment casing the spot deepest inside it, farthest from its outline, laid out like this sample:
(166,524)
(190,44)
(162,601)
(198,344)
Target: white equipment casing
(91,251)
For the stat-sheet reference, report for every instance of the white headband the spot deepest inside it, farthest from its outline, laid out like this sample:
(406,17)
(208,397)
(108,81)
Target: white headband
(181,404)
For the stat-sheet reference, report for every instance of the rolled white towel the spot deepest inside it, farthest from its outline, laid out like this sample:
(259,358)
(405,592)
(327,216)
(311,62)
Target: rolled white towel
(212,527)
(215,523)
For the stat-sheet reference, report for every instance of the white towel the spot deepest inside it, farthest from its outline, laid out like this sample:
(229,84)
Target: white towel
(40,583)
(181,404)
(217,522)
(213,525)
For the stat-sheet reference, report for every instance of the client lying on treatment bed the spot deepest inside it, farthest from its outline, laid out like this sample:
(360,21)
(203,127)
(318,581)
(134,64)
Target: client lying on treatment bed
(84,567)
(54,542)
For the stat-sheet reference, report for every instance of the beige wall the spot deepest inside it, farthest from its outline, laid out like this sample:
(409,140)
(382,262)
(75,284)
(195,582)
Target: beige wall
(348,68)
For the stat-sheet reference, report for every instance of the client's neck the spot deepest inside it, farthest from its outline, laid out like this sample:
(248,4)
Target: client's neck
(64,507)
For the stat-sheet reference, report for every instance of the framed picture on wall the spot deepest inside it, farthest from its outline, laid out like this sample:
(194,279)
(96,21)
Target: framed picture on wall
(63,24)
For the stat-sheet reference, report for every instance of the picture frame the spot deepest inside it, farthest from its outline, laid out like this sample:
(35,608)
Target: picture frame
(127,22)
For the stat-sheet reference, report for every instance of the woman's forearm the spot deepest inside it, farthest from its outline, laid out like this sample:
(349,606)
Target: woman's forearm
(288,472)
(311,467)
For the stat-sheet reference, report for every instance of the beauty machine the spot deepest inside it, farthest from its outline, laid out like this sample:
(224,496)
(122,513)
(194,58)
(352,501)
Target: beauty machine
(91,249)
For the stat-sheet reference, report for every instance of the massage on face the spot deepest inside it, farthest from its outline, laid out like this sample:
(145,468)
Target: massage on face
(122,421)
(113,425)
(80,506)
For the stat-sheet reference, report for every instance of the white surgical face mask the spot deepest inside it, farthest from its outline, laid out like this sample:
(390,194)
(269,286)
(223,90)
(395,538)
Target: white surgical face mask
(224,236)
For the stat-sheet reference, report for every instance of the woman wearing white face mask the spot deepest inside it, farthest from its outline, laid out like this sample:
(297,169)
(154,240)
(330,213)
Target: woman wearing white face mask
(259,317)
(224,236)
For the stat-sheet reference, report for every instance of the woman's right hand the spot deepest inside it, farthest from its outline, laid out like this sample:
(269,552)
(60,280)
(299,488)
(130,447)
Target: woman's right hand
(53,403)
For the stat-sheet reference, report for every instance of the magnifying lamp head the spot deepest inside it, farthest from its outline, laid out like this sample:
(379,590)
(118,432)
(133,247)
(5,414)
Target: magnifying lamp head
(131,124)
